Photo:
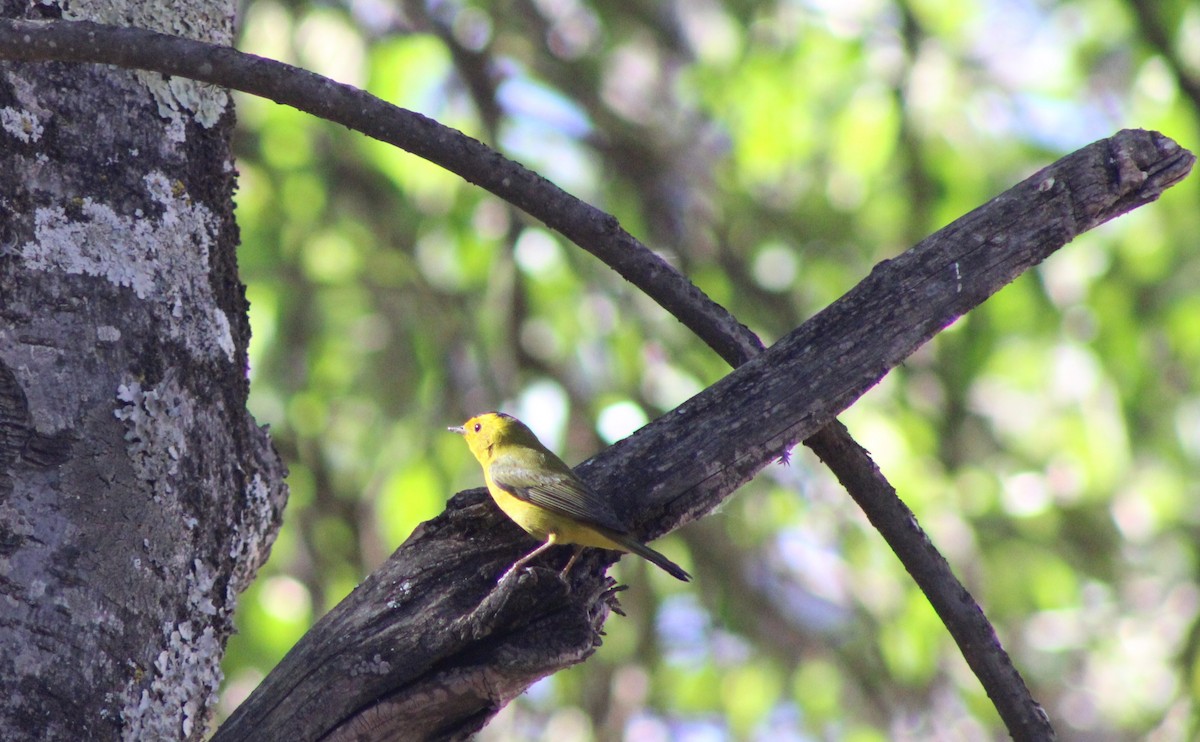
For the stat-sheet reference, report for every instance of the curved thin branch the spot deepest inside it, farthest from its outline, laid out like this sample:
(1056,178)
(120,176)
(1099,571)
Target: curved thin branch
(434,646)
(585,225)
(976,639)
(600,234)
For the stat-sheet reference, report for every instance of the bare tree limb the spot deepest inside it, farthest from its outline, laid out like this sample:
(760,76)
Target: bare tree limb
(429,646)
(976,639)
(585,225)
(593,230)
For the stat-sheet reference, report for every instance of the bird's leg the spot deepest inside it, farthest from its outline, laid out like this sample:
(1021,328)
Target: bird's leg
(570,562)
(525,559)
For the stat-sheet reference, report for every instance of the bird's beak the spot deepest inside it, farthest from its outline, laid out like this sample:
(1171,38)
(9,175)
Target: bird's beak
(457,429)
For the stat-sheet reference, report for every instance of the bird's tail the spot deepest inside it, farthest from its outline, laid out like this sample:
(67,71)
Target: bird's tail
(650,555)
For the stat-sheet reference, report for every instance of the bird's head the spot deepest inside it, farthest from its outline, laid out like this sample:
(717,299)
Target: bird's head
(484,432)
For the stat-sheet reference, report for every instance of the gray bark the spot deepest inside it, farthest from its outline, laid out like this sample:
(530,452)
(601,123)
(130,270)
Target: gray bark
(430,647)
(137,496)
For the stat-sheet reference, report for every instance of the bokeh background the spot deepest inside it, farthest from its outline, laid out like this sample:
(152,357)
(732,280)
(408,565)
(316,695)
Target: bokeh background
(774,151)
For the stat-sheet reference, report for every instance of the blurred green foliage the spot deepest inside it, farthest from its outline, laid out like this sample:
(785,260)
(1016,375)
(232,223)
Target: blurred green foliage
(774,151)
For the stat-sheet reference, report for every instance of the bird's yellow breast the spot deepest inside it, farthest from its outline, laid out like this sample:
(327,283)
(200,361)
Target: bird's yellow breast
(543,524)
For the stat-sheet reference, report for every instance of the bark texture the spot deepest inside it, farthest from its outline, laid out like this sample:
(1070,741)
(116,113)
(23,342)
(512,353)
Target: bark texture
(452,647)
(137,496)
(429,647)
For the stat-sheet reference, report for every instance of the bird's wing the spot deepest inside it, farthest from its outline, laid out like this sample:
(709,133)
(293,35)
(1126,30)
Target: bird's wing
(559,492)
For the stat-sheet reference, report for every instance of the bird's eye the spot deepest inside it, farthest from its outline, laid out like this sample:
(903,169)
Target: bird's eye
(478,427)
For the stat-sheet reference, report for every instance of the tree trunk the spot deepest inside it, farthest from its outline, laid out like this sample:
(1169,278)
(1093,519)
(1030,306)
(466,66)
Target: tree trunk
(137,495)
(428,646)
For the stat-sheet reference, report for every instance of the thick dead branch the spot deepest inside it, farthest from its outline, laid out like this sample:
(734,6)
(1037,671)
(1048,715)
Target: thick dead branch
(427,645)
(1139,166)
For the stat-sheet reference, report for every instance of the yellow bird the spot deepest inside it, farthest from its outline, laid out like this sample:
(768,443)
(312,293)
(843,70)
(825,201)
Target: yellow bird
(542,495)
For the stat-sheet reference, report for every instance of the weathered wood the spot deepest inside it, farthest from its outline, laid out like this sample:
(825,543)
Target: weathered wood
(429,646)
(583,224)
